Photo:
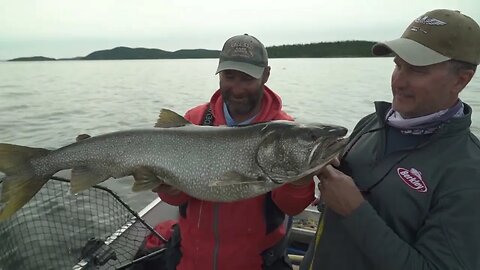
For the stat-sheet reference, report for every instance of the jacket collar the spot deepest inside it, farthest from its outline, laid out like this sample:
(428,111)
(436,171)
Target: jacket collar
(453,125)
(271,106)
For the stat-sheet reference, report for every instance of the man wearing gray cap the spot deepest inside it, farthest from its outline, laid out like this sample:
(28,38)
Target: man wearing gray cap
(247,234)
(406,191)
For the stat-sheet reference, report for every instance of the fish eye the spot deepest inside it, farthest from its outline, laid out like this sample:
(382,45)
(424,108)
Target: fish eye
(312,136)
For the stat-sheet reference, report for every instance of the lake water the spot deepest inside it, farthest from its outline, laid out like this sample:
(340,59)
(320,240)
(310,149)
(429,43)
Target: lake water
(47,104)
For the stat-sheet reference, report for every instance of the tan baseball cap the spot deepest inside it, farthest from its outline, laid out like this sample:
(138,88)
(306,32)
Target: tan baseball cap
(244,53)
(438,35)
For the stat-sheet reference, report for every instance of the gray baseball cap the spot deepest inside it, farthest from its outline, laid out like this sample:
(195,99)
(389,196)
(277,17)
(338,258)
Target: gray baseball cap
(438,35)
(244,53)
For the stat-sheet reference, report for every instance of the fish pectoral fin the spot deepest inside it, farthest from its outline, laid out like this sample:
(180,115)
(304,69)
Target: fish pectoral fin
(168,119)
(235,178)
(17,191)
(147,179)
(85,177)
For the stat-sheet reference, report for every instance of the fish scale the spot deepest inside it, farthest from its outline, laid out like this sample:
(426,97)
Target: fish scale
(210,163)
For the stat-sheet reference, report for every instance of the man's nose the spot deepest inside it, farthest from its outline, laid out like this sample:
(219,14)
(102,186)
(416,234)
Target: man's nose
(237,87)
(399,79)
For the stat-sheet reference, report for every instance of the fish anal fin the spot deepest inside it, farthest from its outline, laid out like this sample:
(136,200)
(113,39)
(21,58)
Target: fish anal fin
(147,178)
(168,118)
(85,177)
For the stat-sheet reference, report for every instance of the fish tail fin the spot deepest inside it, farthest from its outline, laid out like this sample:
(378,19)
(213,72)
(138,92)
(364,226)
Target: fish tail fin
(20,183)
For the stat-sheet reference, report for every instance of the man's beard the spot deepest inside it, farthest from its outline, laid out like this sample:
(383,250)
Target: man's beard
(246,106)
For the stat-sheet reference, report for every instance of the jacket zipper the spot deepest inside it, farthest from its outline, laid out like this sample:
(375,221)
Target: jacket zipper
(200,215)
(215,232)
(321,225)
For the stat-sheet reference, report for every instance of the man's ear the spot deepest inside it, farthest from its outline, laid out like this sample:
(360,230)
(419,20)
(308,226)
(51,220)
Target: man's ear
(463,78)
(266,74)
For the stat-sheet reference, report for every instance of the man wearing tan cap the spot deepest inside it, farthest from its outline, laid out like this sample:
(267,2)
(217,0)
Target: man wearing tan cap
(406,192)
(246,234)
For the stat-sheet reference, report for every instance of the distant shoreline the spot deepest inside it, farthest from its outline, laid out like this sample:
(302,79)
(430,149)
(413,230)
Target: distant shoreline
(354,48)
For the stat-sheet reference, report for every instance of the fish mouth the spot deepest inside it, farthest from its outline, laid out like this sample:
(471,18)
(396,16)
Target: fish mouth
(326,152)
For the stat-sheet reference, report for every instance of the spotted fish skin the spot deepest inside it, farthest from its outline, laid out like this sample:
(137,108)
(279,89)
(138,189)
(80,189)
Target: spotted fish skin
(209,163)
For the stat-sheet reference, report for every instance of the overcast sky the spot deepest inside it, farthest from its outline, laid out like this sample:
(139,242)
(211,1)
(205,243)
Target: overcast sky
(69,28)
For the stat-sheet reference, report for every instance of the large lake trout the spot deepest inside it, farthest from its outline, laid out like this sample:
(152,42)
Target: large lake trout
(209,163)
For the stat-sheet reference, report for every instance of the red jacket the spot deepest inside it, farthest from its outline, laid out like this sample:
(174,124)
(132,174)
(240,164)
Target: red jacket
(233,235)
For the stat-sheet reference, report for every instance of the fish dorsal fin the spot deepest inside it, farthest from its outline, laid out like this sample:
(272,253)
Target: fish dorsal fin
(168,118)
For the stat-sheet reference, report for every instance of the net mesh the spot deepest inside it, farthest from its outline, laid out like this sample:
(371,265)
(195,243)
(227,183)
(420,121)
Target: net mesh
(51,231)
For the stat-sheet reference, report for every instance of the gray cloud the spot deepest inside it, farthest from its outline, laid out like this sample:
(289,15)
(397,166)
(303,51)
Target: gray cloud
(59,28)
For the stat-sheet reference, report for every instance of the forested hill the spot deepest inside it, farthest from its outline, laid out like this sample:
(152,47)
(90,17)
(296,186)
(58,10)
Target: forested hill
(312,50)
(33,58)
(143,53)
(324,49)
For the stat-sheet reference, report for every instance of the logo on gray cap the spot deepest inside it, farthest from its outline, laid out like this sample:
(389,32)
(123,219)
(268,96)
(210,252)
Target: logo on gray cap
(244,53)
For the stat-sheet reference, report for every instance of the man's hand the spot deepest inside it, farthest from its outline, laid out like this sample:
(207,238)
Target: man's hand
(166,189)
(307,179)
(338,191)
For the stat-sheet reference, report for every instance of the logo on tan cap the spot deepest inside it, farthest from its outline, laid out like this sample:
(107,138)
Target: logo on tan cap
(426,21)
(429,21)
